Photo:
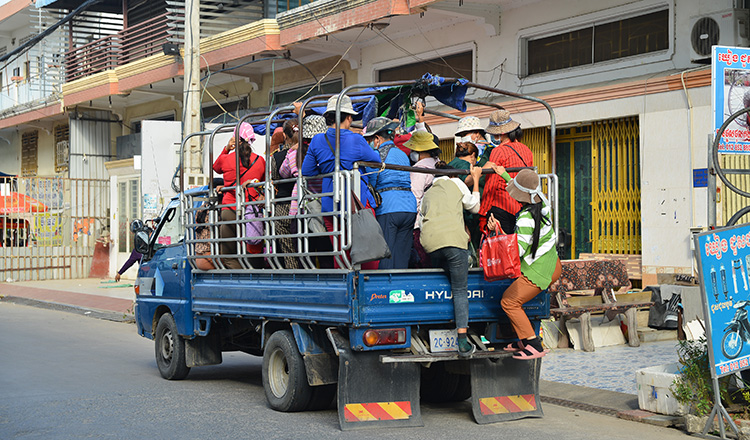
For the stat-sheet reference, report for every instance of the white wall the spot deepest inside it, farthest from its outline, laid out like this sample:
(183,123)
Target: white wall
(672,140)
(159,160)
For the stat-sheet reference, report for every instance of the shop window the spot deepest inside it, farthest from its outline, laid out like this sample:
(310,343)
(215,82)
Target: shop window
(598,42)
(450,66)
(62,147)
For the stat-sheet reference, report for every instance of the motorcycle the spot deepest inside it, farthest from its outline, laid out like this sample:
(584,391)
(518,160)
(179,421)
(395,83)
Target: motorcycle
(737,332)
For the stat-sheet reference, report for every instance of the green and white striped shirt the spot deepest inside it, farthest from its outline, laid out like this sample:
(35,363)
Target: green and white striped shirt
(538,268)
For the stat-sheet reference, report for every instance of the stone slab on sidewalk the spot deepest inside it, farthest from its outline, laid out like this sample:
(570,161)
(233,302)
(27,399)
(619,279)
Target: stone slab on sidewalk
(78,293)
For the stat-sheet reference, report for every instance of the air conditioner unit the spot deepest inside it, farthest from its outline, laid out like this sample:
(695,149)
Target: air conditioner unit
(727,28)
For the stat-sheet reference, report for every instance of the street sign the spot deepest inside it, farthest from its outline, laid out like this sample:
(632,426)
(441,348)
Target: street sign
(730,92)
(723,257)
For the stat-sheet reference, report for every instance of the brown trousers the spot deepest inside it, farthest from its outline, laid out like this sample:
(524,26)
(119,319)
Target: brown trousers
(520,292)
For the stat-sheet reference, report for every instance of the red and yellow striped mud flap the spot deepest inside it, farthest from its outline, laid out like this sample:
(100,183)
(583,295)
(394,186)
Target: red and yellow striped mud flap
(375,395)
(506,389)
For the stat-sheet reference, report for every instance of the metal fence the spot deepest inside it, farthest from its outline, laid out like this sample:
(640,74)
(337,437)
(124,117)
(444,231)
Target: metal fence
(50,227)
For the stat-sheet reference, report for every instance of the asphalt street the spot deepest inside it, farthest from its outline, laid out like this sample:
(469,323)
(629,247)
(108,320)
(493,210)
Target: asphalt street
(69,376)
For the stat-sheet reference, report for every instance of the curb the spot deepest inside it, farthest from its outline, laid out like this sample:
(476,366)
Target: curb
(84,311)
(635,415)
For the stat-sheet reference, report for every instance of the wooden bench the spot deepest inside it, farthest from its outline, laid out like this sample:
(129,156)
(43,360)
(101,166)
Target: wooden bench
(603,277)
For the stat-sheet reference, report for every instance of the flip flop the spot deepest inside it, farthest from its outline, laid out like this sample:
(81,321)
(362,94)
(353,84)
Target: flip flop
(529,353)
(514,347)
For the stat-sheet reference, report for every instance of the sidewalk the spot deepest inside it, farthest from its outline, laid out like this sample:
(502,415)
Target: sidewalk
(109,300)
(602,381)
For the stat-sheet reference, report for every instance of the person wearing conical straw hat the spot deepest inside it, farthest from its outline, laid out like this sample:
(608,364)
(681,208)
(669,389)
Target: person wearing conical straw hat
(540,265)
(509,152)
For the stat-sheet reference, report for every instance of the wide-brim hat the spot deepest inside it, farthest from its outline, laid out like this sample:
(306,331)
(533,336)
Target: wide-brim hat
(312,125)
(346,105)
(501,123)
(525,187)
(379,124)
(468,124)
(421,141)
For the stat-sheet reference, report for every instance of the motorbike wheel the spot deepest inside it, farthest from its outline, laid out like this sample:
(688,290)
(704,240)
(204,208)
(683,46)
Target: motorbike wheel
(731,344)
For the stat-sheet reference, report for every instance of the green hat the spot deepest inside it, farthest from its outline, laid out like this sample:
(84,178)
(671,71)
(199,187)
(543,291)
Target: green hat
(421,141)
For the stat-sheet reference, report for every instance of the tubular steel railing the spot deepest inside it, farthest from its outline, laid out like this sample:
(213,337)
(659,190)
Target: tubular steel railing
(139,41)
(338,221)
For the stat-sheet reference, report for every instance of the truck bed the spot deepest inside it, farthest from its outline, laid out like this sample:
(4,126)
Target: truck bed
(379,298)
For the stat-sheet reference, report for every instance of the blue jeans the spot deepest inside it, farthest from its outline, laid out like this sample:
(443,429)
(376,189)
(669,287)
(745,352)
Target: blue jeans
(455,262)
(397,229)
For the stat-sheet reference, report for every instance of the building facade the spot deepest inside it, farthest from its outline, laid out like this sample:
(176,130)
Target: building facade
(628,81)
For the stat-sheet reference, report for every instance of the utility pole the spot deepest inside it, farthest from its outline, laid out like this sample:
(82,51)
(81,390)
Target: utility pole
(191,121)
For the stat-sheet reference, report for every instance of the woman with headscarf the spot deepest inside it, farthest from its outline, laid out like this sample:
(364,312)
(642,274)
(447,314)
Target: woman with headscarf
(398,209)
(284,190)
(252,168)
(312,125)
(540,265)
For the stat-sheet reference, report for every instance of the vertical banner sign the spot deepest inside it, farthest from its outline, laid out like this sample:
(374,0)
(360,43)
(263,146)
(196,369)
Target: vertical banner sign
(730,92)
(723,258)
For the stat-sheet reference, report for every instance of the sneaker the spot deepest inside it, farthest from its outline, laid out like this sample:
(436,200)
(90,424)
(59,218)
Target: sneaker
(465,347)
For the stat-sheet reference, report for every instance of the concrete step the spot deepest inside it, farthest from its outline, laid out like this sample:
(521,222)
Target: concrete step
(648,334)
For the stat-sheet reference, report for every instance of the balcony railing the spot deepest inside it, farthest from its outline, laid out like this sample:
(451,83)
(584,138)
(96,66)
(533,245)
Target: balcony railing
(130,44)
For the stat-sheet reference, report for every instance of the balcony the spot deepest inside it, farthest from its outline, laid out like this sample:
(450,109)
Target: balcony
(133,43)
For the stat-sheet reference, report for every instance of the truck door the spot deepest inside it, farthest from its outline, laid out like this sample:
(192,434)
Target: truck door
(166,271)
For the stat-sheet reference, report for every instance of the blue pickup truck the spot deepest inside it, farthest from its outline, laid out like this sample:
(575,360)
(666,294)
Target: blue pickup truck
(373,342)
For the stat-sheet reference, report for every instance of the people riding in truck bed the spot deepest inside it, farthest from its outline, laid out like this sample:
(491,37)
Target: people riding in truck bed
(321,156)
(509,152)
(540,265)
(398,209)
(252,167)
(443,236)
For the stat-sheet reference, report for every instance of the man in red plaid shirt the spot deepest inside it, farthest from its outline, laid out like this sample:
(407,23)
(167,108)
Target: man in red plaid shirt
(508,153)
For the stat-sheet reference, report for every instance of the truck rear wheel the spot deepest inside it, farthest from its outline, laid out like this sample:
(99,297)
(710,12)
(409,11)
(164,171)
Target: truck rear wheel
(284,375)
(170,349)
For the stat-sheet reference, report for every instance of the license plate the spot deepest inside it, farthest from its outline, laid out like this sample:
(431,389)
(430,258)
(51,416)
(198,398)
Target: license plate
(443,340)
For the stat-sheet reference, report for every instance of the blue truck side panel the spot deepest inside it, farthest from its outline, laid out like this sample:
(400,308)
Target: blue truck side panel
(357,299)
(322,298)
(424,297)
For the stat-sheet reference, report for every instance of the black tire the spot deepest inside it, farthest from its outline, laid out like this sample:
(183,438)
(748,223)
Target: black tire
(437,385)
(322,397)
(284,376)
(463,388)
(169,349)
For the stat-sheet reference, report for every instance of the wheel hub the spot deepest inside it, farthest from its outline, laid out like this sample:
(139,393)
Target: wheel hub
(167,346)
(278,373)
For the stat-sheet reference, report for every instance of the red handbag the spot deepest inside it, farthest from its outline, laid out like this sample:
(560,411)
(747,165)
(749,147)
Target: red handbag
(499,257)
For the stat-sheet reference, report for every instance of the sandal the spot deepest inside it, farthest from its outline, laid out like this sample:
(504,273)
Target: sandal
(529,353)
(514,347)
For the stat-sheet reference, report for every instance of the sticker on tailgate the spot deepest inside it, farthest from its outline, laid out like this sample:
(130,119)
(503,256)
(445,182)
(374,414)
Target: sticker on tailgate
(400,296)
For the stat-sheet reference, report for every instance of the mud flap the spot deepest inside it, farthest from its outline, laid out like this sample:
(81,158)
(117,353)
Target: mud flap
(505,389)
(376,395)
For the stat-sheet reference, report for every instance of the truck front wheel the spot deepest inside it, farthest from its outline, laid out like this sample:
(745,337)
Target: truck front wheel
(170,349)
(284,375)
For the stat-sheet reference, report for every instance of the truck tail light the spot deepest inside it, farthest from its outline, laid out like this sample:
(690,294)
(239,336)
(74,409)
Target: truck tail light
(137,289)
(386,336)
